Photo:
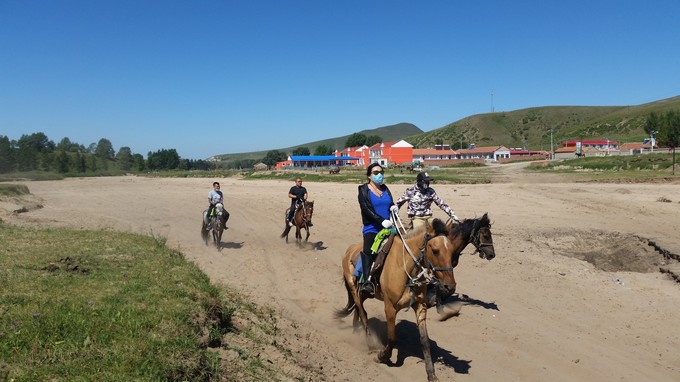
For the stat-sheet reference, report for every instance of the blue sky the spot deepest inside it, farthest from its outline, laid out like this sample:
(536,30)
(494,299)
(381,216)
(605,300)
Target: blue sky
(214,77)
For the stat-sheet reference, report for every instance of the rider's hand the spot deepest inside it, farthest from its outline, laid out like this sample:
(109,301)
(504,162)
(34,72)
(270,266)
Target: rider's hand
(394,209)
(387,223)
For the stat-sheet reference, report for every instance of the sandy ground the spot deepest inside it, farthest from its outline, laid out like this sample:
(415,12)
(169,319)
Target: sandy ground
(574,294)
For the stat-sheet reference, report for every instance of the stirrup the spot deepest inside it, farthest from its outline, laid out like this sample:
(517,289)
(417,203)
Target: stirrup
(367,289)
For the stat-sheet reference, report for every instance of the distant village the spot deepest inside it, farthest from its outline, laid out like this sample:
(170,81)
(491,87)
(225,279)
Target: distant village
(402,153)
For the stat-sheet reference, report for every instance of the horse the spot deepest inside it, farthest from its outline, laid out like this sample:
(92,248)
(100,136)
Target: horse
(476,232)
(470,231)
(303,214)
(217,227)
(406,281)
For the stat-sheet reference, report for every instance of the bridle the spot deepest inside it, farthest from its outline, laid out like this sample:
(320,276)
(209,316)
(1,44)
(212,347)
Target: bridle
(475,238)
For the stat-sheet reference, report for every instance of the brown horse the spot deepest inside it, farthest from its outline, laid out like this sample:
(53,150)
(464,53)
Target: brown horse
(301,217)
(476,232)
(470,231)
(407,280)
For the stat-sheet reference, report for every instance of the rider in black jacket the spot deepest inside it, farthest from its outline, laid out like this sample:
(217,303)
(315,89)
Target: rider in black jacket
(376,202)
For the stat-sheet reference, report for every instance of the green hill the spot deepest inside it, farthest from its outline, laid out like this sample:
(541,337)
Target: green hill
(531,128)
(527,128)
(388,133)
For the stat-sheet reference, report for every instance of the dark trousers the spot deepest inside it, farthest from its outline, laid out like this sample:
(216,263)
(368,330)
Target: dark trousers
(292,211)
(366,256)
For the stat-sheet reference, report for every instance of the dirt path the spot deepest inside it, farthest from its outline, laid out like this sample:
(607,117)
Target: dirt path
(540,311)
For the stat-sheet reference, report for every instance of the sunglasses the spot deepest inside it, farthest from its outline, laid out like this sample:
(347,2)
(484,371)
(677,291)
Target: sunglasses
(376,172)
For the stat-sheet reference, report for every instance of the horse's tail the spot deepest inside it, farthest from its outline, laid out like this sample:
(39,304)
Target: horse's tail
(204,232)
(349,308)
(285,231)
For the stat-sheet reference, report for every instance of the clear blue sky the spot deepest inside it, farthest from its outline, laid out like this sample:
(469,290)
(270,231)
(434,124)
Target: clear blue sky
(211,77)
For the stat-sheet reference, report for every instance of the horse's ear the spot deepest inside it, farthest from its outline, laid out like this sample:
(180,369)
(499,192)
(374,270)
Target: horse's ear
(484,220)
(439,227)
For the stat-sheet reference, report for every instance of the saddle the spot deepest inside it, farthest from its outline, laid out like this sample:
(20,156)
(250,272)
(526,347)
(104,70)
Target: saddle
(381,247)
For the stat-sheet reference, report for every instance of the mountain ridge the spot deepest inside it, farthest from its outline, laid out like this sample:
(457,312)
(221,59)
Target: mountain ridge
(533,128)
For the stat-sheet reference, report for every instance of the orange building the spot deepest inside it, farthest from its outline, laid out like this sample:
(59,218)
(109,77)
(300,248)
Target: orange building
(391,153)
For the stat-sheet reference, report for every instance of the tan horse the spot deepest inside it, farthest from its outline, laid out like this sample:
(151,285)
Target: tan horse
(470,231)
(417,280)
(303,214)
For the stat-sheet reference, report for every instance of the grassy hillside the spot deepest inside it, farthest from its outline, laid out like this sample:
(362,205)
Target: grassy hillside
(530,128)
(388,133)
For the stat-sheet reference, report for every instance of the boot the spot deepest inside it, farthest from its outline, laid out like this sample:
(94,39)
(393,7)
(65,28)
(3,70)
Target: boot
(367,288)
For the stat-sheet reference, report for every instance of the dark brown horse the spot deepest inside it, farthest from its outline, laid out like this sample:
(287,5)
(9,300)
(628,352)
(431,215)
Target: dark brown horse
(476,232)
(301,217)
(216,226)
(398,295)
(417,273)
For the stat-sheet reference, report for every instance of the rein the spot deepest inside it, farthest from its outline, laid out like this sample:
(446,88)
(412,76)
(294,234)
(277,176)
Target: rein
(425,274)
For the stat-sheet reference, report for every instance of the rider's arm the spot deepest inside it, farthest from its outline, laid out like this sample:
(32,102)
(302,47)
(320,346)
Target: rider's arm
(405,197)
(442,204)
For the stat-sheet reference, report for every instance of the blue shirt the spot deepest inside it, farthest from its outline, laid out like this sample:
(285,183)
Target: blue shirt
(382,208)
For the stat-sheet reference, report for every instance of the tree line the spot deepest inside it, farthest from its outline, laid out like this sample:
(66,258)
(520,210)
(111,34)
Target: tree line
(36,152)
(666,129)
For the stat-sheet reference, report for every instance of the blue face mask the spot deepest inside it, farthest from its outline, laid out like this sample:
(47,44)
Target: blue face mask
(378,178)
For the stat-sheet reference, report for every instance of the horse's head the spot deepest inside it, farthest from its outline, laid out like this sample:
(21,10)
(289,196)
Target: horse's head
(439,251)
(481,238)
(308,210)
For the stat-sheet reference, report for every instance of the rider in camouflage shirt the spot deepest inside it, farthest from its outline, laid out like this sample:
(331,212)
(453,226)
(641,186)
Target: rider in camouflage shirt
(420,198)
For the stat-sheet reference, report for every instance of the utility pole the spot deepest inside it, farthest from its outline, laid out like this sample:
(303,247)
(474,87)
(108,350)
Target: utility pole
(492,101)
(552,150)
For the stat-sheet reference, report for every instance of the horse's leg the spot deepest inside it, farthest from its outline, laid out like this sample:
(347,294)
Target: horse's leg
(307,230)
(391,317)
(421,319)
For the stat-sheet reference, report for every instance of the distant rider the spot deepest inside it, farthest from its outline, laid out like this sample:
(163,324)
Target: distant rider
(214,196)
(297,194)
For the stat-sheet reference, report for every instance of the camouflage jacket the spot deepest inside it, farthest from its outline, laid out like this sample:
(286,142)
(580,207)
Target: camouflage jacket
(419,202)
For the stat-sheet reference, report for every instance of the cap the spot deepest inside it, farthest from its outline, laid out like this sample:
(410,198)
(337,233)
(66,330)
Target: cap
(422,176)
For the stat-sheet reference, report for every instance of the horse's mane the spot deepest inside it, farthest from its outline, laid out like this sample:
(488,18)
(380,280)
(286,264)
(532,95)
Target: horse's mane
(466,226)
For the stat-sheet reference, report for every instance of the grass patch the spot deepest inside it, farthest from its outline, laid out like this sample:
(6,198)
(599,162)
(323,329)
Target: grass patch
(30,175)
(649,167)
(78,304)
(13,189)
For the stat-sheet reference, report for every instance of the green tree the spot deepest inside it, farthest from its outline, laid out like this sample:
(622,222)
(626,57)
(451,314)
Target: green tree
(71,147)
(164,159)
(62,162)
(273,157)
(373,139)
(304,151)
(356,139)
(323,150)
(7,161)
(104,149)
(653,123)
(669,132)
(29,149)
(138,162)
(124,158)
(80,164)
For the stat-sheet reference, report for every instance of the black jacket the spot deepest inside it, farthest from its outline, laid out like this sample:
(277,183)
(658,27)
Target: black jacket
(368,214)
